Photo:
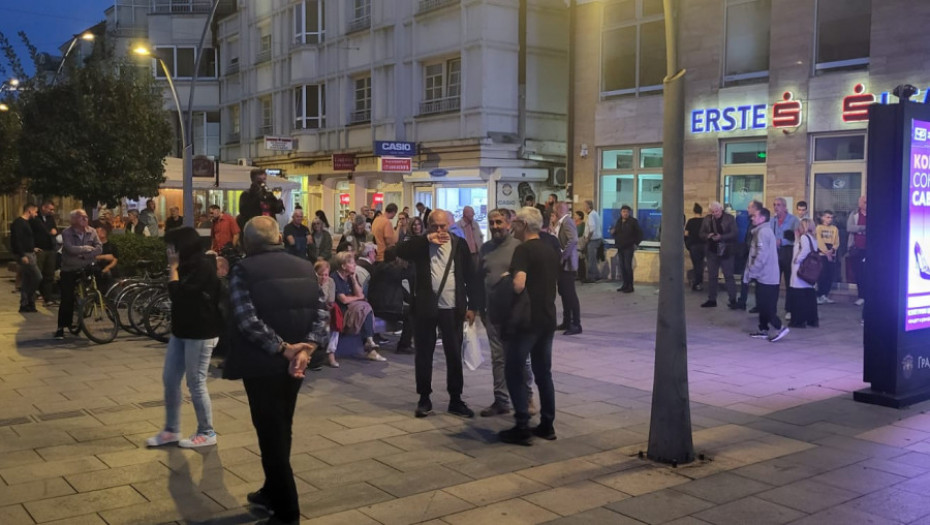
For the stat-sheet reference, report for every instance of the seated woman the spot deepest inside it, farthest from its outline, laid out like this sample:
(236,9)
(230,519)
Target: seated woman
(321,268)
(357,314)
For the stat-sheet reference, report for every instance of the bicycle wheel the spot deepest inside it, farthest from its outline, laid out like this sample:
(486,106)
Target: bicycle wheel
(158,318)
(123,299)
(136,311)
(98,319)
(75,327)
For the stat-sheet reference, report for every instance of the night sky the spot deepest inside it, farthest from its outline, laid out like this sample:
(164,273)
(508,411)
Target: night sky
(48,23)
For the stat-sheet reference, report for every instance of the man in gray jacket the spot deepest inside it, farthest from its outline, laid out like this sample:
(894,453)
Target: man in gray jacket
(568,238)
(720,232)
(763,268)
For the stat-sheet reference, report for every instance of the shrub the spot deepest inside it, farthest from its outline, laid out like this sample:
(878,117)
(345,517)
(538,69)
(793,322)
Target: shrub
(134,248)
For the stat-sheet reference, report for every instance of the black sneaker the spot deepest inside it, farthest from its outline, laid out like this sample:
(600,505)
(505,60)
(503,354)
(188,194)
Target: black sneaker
(516,436)
(709,304)
(545,431)
(261,500)
(424,407)
(496,409)
(754,310)
(60,333)
(405,350)
(734,306)
(457,407)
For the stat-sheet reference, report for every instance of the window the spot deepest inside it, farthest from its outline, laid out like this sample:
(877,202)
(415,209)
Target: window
(632,177)
(264,47)
(362,108)
(443,86)
(266,116)
(309,22)
(235,123)
(180,62)
(843,28)
(361,9)
(839,148)
(742,177)
(632,47)
(747,46)
(310,107)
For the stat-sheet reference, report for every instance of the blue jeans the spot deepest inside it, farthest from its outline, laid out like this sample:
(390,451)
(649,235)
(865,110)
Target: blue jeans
(591,255)
(190,356)
(538,347)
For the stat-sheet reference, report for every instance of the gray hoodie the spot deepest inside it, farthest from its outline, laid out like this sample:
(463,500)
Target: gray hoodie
(763,257)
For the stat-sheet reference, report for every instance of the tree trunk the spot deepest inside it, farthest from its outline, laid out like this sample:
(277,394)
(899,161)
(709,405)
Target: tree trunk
(670,425)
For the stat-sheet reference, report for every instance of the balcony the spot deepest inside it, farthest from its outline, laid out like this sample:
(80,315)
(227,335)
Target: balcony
(440,105)
(430,5)
(232,67)
(265,131)
(194,7)
(360,117)
(359,24)
(233,138)
(263,56)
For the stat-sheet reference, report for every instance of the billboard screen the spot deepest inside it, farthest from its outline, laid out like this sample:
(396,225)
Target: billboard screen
(917,315)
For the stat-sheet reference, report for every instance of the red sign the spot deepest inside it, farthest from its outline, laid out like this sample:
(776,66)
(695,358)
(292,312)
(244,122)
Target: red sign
(787,113)
(856,106)
(377,198)
(345,198)
(343,162)
(396,164)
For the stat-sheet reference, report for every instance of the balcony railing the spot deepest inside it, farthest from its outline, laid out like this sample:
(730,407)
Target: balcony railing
(429,5)
(263,56)
(359,24)
(233,138)
(265,130)
(232,67)
(358,117)
(440,105)
(181,6)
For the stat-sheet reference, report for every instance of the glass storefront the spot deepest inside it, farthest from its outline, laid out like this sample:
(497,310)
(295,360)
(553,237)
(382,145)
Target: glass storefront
(633,177)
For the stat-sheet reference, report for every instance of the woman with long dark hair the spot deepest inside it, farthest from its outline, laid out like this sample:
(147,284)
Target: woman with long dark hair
(195,290)
(322,216)
(416,227)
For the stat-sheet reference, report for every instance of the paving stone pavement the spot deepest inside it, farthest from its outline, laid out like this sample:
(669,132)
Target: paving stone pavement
(781,438)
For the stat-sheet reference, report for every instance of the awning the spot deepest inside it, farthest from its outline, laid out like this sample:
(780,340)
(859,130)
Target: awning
(232,177)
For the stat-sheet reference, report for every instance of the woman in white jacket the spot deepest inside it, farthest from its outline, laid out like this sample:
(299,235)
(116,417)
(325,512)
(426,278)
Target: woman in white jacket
(802,296)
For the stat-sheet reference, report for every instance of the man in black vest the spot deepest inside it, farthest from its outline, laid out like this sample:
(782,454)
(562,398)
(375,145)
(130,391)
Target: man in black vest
(445,300)
(44,230)
(279,320)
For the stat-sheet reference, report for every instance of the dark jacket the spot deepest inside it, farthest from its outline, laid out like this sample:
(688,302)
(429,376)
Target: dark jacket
(21,239)
(728,231)
(386,291)
(627,234)
(324,249)
(42,226)
(250,204)
(195,300)
(467,286)
(285,293)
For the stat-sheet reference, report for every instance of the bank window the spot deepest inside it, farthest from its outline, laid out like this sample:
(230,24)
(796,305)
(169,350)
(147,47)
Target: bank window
(843,28)
(310,107)
(309,22)
(742,179)
(632,47)
(744,153)
(747,41)
(839,148)
(632,177)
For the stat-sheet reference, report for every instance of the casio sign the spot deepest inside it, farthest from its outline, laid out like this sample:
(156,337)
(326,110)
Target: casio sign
(384,148)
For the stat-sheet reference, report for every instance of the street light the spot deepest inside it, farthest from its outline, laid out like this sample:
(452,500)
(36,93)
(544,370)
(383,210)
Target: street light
(10,85)
(4,107)
(87,36)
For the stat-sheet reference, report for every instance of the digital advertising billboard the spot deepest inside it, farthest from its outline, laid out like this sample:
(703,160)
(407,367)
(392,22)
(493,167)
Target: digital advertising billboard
(917,279)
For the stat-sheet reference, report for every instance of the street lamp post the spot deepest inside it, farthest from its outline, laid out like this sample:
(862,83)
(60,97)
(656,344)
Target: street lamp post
(87,37)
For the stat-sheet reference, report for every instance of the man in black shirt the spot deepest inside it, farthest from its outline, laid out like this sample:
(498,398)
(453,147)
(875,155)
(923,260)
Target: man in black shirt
(174,219)
(44,231)
(23,246)
(535,270)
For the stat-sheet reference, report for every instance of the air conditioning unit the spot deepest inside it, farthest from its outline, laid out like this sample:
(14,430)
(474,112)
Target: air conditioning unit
(242,161)
(558,177)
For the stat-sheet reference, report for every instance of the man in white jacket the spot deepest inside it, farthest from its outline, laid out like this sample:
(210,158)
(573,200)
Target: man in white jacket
(763,268)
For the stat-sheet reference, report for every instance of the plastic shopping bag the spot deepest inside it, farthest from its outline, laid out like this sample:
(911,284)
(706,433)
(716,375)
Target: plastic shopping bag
(471,347)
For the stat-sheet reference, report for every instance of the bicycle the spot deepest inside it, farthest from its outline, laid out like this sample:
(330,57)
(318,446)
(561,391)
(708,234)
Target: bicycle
(93,313)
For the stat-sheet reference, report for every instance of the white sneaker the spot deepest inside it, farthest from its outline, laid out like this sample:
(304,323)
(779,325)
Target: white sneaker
(780,335)
(375,356)
(163,438)
(827,299)
(788,316)
(859,302)
(198,440)
(821,299)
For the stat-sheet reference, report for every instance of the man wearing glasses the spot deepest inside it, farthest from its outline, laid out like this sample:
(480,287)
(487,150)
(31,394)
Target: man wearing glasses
(80,248)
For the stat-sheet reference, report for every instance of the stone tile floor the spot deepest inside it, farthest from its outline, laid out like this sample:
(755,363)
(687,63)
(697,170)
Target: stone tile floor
(782,439)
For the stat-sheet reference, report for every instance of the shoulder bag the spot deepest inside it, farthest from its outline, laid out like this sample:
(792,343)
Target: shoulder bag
(811,266)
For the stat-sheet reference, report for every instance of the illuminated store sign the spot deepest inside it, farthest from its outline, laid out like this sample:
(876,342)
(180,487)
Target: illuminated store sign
(918,270)
(787,113)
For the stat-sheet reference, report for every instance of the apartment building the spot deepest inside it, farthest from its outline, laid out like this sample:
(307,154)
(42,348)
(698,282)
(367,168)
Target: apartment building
(371,102)
(777,92)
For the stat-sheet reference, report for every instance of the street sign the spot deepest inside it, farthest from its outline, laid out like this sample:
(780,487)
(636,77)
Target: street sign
(394,148)
(343,162)
(396,165)
(438,172)
(279,143)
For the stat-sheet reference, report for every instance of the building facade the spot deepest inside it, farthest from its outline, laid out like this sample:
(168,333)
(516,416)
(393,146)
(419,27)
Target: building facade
(466,99)
(776,101)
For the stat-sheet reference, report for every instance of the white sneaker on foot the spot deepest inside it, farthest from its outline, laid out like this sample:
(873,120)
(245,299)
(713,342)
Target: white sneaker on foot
(198,440)
(859,302)
(821,299)
(163,438)
(788,316)
(780,335)
(827,299)
(759,334)
(375,356)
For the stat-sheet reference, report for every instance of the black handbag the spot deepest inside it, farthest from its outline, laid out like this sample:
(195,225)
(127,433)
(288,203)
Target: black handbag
(811,266)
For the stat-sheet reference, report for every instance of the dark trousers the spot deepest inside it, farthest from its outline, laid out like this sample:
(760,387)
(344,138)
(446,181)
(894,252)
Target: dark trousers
(571,308)
(450,325)
(858,260)
(46,260)
(66,310)
(538,347)
(626,266)
(825,283)
(271,401)
(785,254)
(31,278)
(406,334)
(697,262)
(714,265)
(803,307)
(767,303)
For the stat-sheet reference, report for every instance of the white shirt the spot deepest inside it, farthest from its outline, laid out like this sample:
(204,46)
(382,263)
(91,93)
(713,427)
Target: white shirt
(592,229)
(438,258)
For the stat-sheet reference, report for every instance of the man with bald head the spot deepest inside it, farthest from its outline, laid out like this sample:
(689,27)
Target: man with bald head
(471,232)
(445,296)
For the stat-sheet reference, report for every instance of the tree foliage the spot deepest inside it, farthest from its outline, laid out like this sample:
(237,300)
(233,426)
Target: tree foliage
(98,135)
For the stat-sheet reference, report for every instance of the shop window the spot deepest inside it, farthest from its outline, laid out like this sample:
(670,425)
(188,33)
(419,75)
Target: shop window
(632,47)
(632,177)
(310,107)
(743,179)
(744,153)
(309,22)
(747,41)
(843,40)
(840,148)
